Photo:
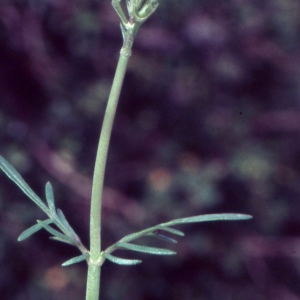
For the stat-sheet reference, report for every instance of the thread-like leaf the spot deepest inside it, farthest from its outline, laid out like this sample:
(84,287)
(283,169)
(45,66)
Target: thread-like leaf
(31,230)
(50,197)
(121,261)
(55,238)
(57,233)
(162,237)
(76,259)
(15,176)
(66,224)
(146,249)
(208,218)
(171,230)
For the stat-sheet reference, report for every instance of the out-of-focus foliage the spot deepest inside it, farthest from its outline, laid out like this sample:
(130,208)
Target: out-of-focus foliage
(208,122)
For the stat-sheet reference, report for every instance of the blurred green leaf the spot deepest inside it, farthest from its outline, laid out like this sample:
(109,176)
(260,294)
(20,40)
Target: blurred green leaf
(15,176)
(209,217)
(33,229)
(76,259)
(162,237)
(121,261)
(50,197)
(171,230)
(146,249)
(65,223)
(57,233)
(153,231)
(55,238)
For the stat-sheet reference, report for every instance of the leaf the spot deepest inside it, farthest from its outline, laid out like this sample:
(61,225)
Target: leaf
(121,261)
(55,238)
(31,230)
(76,259)
(15,176)
(209,217)
(146,249)
(50,197)
(57,233)
(162,237)
(65,223)
(172,230)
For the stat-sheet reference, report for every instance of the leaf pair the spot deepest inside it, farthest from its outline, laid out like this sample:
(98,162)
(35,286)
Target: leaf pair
(68,235)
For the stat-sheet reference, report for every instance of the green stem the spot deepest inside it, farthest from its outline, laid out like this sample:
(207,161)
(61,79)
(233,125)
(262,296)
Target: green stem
(129,29)
(93,280)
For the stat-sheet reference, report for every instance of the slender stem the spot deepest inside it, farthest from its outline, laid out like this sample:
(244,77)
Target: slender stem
(129,29)
(93,280)
(101,157)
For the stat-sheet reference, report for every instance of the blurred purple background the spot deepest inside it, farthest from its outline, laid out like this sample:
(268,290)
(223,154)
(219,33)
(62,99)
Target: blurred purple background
(208,121)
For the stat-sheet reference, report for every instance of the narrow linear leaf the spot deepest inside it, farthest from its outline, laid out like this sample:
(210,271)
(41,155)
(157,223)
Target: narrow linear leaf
(55,238)
(208,218)
(121,261)
(146,249)
(168,229)
(57,233)
(50,197)
(76,259)
(15,176)
(162,237)
(65,223)
(31,230)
